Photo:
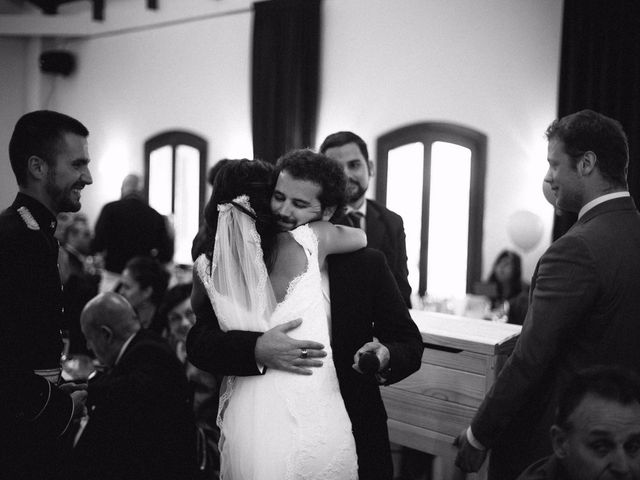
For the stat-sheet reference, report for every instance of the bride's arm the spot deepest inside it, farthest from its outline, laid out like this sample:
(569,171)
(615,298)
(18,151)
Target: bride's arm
(211,349)
(338,238)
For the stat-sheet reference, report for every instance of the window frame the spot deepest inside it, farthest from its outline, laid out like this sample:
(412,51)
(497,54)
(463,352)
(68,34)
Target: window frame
(173,139)
(427,133)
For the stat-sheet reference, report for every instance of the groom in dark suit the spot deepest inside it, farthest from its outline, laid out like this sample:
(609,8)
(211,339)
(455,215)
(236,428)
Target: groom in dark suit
(367,314)
(584,303)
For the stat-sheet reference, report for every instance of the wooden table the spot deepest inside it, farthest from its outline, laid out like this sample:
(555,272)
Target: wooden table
(460,362)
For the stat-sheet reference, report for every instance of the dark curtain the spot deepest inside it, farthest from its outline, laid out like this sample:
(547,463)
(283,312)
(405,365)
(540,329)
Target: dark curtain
(600,70)
(286,53)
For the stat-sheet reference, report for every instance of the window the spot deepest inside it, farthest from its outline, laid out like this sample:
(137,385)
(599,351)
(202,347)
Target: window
(432,174)
(175,169)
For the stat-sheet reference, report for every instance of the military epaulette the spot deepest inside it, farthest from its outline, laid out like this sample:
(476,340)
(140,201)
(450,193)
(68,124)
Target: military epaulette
(28,219)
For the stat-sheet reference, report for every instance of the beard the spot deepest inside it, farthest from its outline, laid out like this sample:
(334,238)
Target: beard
(286,224)
(355,191)
(62,198)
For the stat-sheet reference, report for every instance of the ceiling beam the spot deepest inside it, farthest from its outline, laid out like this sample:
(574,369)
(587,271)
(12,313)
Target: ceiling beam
(45,25)
(77,22)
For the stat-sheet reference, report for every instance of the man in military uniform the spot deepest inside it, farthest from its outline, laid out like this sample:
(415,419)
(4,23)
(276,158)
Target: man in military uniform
(49,157)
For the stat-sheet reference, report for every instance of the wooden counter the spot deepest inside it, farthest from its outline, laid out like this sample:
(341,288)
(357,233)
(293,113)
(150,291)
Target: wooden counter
(461,359)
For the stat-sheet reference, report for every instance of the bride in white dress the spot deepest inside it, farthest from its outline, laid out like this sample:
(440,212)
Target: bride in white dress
(280,425)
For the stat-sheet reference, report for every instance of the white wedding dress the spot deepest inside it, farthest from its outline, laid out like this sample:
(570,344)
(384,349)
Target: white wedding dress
(280,425)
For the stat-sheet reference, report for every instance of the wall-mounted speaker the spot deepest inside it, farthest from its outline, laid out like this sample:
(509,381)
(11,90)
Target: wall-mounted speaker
(57,62)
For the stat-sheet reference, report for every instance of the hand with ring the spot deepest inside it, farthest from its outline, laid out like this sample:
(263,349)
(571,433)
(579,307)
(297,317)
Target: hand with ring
(276,349)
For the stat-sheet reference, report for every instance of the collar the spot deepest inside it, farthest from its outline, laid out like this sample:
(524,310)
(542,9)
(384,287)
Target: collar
(123,348)
(132,195)
(601,199)
(42,215)
(362,209)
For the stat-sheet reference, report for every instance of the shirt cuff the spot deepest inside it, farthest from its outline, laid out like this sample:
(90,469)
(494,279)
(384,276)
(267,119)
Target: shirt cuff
(474,441)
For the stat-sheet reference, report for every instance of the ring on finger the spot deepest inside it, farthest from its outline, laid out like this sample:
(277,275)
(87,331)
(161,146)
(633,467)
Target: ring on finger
(304,353)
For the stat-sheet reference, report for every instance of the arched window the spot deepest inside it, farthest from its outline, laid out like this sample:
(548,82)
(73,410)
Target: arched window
(432,174)
(175,178)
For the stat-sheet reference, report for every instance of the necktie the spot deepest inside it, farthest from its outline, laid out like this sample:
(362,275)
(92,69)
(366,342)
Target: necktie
(355,218)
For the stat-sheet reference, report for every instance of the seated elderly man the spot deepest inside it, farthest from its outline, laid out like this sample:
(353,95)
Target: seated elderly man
(140,423)
(596,434)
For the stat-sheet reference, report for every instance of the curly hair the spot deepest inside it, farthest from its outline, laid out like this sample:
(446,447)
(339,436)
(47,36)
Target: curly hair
(305,164)
(173,297)
(587,130)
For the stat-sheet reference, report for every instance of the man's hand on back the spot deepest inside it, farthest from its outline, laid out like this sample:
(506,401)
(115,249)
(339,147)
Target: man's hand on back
(276,349)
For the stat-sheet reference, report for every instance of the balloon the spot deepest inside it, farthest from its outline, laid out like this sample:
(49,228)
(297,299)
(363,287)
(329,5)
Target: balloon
(525,229)
(548,193)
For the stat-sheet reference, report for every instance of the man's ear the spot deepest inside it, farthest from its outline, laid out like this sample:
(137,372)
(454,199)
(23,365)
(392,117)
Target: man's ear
(587,163)
(327,213)
(559,439)
(37,167)
(372,170)
(107,333)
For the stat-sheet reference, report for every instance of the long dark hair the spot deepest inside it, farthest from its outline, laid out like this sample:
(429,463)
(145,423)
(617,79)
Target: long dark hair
(173,297)
(515,282)
(254,178)
(148,272)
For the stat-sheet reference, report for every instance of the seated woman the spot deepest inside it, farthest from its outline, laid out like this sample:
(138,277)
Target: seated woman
(176,317)
(144,282)
(511,294)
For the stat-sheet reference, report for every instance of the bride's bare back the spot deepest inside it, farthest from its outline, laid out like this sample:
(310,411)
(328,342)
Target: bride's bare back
(291,261)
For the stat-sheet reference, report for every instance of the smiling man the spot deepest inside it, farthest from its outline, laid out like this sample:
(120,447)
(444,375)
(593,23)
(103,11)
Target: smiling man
(50,159)
(365,311)
(584,302)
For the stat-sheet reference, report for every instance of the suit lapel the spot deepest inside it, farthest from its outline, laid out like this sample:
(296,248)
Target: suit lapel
(123,359)
(338,295)
(375,226)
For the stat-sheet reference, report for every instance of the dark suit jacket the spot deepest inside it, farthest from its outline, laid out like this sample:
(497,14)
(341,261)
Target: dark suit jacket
(140,419)
(79,287)
(548,468)
(365,302)
(33,413)
(584,310)
(130,227)
(385,232)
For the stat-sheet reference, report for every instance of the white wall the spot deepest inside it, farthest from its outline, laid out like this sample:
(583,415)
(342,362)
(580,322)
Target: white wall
(132,86)
(491,65)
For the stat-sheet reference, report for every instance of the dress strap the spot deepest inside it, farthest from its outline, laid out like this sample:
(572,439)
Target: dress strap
(306,237)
